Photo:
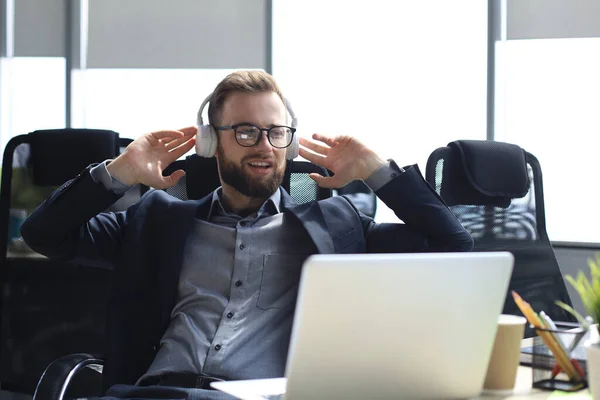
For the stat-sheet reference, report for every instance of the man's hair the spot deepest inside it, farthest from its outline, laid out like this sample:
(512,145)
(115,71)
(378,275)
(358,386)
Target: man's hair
(240,81)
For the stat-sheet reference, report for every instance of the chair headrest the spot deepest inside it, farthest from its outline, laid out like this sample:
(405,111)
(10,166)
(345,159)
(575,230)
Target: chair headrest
(58,155)
(484,172)
(202,176)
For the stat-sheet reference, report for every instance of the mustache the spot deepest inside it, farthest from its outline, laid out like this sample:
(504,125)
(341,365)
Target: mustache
(259,157)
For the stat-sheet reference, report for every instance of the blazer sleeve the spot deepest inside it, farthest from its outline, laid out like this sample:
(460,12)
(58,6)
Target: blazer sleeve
(70,225)
(429,225)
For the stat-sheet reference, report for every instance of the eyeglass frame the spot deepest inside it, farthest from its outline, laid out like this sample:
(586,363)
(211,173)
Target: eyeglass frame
(259,137)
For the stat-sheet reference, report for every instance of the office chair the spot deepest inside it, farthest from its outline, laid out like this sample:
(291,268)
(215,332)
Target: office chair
(361,196)
(49,308)
(201,179)
(495,190)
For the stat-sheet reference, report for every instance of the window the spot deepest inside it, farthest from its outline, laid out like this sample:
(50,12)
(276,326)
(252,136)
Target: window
(136,101)
(33,95)
(548,102)
(405,77)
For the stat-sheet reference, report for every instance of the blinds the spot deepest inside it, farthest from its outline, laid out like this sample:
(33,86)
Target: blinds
(221,34)
(177,34)
(551,19)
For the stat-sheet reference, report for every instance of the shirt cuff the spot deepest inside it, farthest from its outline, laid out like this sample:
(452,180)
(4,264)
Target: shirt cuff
(383,175)
(100,174)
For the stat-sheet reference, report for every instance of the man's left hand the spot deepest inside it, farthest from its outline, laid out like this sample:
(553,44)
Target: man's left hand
(345,156)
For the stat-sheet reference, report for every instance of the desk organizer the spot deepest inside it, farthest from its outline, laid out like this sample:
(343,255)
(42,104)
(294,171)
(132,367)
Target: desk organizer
(547,371)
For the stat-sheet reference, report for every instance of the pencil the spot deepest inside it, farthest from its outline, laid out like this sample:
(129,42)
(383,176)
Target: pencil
(534,319)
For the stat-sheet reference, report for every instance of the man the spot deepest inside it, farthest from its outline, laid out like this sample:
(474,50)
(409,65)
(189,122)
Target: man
(208,287)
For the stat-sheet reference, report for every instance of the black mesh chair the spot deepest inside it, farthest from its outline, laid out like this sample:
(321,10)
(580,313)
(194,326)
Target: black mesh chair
(495,190)
(201,179)
(361,196)
(48,308)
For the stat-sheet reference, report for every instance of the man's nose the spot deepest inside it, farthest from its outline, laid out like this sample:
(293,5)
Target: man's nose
(263,143)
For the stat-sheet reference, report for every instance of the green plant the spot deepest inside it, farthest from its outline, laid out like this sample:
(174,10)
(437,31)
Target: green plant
(588,290)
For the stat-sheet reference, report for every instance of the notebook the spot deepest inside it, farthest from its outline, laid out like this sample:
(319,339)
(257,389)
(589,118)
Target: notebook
(390,326)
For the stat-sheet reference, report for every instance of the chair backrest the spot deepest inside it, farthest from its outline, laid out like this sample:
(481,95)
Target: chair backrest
(495,190)
(51,308)
(361,196)
(202,178)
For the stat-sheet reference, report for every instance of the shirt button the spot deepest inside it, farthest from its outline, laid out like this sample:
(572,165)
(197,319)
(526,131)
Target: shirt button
(238,283)
(394,174)
(218,347)
(242,246)
(243,223)
(230,315)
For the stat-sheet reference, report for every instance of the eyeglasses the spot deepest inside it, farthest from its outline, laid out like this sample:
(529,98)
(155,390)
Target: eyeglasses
(248,135)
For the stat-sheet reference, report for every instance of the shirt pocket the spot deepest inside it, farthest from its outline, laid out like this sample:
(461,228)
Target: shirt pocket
(280,280)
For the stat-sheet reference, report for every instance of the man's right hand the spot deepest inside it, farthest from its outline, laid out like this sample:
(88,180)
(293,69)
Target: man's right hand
(144,160)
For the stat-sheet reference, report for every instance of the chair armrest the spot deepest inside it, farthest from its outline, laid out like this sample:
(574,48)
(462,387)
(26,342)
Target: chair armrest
(58,375)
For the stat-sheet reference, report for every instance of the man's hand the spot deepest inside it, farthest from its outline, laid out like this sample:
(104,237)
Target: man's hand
(345,156)
(144,160)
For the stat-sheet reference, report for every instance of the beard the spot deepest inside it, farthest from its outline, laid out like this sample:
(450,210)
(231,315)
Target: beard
(234,176)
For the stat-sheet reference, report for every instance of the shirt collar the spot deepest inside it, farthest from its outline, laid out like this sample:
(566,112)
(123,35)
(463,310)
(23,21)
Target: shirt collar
(272,205)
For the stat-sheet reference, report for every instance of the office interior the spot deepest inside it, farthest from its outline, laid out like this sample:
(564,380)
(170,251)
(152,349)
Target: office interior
(405,77)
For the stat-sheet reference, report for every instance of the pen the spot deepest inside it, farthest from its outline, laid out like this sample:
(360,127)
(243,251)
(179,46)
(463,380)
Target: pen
(552,326)
(534,319)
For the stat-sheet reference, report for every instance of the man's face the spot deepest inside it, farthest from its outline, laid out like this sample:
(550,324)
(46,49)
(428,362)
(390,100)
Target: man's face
(253,171)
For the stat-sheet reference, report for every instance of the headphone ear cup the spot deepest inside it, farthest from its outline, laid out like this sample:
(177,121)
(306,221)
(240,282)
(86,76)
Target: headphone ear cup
(293,149)
(206,141)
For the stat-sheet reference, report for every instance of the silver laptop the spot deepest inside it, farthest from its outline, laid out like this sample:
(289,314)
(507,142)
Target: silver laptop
(390,326)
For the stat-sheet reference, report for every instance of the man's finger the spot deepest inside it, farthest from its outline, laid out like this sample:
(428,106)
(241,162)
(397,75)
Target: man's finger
(312,157)
(158,135)
(182,149)
(189,130)
(172,144)
(325,139)
(171,180)
(316,147)
(329,182)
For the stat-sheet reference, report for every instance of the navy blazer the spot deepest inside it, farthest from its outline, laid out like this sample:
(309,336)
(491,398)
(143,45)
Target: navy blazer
(145,246)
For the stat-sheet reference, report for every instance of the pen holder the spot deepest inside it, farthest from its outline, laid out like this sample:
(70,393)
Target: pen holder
(551,371)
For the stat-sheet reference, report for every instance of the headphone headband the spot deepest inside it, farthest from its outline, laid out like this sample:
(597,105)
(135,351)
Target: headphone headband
(286,102)
(204,103)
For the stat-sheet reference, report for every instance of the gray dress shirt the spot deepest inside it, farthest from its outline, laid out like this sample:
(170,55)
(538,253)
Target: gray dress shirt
(236,295)
(237,289)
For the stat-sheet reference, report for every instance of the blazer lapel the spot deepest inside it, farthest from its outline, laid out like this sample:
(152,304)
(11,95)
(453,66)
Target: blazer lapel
(311,217)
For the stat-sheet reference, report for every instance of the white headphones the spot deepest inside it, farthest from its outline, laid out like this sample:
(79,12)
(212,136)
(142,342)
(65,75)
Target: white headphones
(206,139)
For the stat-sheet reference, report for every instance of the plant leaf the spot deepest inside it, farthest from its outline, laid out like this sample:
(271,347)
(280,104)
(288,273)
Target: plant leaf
(584,323)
